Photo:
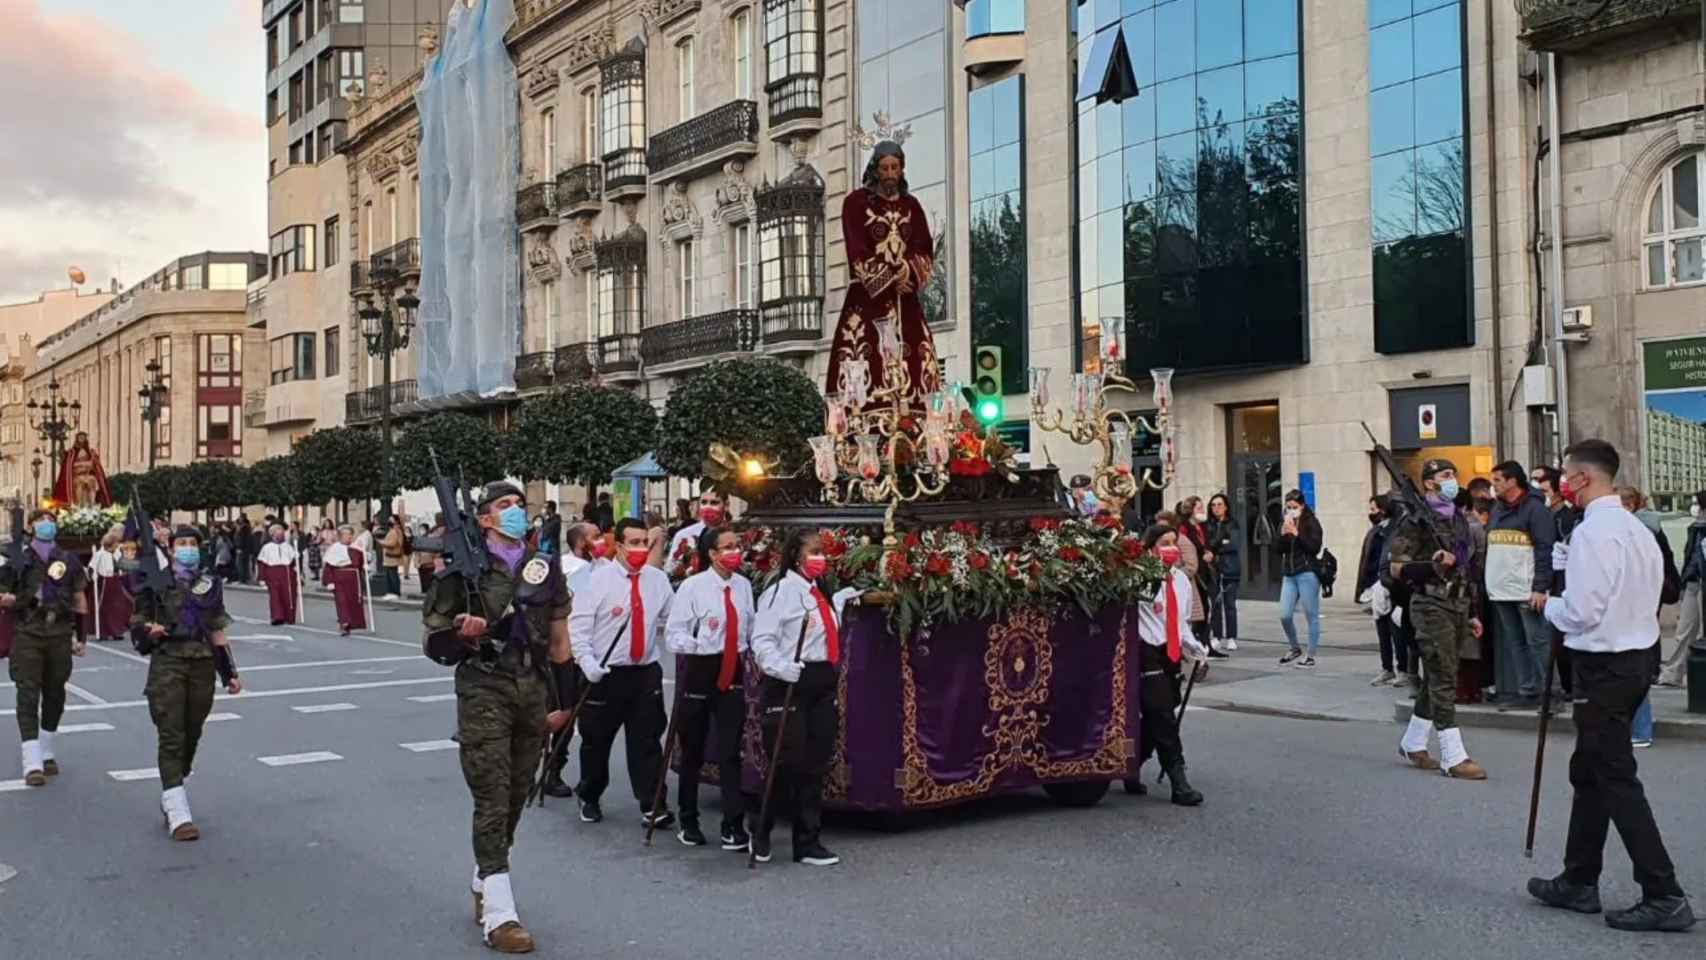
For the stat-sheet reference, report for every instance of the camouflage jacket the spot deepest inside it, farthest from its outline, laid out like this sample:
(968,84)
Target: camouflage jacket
(1411,543)
(519,608)
(47,592)
(191,611)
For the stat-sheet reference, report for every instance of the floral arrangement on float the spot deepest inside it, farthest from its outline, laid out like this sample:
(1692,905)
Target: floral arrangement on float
(89,523)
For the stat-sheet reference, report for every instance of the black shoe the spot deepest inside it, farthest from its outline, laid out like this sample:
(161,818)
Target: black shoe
(590,811)
(1136,788)
(1669,914)
(761,847)
(735,840)
(658,820)
(555,787)
(1307,663)
(1519,705)
(815,854)
(1290,655)
(690,834)
(1561,893)
(1215,654)
(1183,793)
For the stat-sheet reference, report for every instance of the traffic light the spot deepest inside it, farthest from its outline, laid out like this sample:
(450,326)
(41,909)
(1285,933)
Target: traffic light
(987,402)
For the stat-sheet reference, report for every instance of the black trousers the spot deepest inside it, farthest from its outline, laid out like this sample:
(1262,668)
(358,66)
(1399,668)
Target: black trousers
(703,708)
(1608,689)
(1394,644)
(630,699)
(1158,697)
(808,746)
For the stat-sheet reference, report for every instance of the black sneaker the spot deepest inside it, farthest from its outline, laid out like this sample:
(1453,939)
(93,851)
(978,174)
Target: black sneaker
(1290,655)
(817,855)
(590,811)
(1561,893)
(557,787)
(1669,914)
(690,834)
(1307,663)
(735,840)
(1215,654)
(761,848)
(657,820)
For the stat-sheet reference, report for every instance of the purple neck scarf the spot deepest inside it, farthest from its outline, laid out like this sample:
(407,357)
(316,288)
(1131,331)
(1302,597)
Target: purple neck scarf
(509,553)
(43,548)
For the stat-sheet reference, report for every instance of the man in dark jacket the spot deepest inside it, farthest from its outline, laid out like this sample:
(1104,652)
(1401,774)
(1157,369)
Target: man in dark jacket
(1688,624)
(1519,570)
(1549,481)
(1394,652)
(550,530)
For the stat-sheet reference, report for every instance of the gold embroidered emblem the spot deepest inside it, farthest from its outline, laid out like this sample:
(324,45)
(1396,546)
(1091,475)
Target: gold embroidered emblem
(56,570)
(536,571)
(202,586)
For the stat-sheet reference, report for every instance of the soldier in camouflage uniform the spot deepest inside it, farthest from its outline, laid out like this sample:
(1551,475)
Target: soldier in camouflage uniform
(1443,596)
(518,657)
(182,630)
(44,595)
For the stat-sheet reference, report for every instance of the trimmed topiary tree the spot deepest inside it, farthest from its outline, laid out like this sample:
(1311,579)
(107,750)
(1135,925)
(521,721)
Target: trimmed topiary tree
(462,441)
(758,406)
(580,434)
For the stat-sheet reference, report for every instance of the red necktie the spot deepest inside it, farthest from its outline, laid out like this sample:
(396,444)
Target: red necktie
(731,641)
(1172,620)
(636,622)
(831,636)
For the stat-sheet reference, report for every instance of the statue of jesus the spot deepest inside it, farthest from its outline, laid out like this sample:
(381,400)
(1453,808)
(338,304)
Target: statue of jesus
(81,480)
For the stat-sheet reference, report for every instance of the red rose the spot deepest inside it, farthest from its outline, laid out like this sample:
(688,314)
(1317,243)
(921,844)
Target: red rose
(1108,522)
(1071,554)
(961,467)
(1036,569)
(912,540)
(965,528)
(980,561)
(833,546)
(937,564)
(1132,549)
(1041,524)
(897,569)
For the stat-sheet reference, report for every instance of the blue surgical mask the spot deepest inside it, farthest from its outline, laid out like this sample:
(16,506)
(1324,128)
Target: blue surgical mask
(1448,489)
(47,531)
(512,521)
(187,557)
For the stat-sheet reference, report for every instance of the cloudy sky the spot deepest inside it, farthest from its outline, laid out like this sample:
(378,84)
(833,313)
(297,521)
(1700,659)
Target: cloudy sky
(134,133)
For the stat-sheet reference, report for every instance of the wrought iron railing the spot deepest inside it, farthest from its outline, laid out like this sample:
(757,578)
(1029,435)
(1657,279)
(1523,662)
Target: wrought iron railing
(536,202)
(580,184)
(735,122)
(401,258)
(534,370)
(793,322)
(701,337)
(619,354)
(576,362)
(360,277)
(369,404)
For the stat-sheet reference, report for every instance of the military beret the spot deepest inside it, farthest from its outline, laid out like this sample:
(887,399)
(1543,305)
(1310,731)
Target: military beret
(1431,467)
(186,531)
(497,491)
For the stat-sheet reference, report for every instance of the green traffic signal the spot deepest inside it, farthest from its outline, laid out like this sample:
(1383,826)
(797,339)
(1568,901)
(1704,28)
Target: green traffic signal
(989,412)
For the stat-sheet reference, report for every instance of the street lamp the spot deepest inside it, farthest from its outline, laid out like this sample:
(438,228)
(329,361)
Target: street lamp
(35,472)
(152,398)
(54,420)
(386,326)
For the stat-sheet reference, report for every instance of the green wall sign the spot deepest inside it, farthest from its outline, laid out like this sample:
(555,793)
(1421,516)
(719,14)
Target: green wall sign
(1675,364)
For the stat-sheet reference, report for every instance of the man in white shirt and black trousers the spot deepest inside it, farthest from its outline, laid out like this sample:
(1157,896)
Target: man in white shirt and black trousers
(1608,615)
(623,611)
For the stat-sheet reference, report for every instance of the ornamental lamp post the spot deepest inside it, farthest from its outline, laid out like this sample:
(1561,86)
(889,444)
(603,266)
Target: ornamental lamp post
(35,471)
(385,327)
(54,420)
(151,398)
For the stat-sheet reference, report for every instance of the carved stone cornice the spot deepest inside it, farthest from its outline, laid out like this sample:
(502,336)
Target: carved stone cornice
(657,14)
(588,49)
(542,263)
(382,165)
(582,255)
(734,195)
(542,79)
(680,217)
(409,151)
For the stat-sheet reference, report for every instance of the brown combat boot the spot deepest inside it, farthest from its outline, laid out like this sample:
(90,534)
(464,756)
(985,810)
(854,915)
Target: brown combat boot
(1421,759)
(35,778)
(511,937)
(186,831)
(1467,770)
(50,767)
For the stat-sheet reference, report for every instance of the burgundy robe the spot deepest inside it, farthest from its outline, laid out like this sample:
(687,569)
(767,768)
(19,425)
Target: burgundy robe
(349,587)
(280,579)
(116,606)
(888,245)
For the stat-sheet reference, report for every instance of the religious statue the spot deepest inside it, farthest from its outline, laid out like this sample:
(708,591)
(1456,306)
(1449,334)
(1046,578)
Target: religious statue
(81,481)
(891,255)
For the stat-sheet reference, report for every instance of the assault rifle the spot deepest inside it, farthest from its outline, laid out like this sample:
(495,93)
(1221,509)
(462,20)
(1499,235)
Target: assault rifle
(464,556)
(155,579)
(1405,490)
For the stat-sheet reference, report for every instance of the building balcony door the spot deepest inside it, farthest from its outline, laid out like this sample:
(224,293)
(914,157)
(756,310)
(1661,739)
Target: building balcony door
(1256,489)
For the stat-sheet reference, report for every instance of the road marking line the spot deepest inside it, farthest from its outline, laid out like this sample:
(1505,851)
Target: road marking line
(427,746)
(372,673)
(125,776)
(328,663)
(433,698)
(292,759)
(325,707)
(118,653)
(220,717)
(411,644)
(8,786)
(258,694)
(85,695)
(84,727)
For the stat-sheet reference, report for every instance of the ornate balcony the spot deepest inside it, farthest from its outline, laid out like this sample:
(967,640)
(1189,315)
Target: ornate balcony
(576,362)
(580,190)
(706,142)
(699,340)
(1564,26)
(366,405)
(619,357)
(360,277)
(535,370)
(796,329)
(400,260)
(536,207)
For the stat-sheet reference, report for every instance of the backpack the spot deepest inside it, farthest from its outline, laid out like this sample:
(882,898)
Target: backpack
(1327,571)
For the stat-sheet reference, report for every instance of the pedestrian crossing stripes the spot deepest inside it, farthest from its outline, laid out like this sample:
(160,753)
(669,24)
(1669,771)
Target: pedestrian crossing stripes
(7,786)
(126,776)
(218,717)
(325,707)
(433,698)
(85,727)
(427,746)
(293,759)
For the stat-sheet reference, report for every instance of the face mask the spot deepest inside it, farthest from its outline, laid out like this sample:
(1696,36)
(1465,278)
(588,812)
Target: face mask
(512,521)
(188,557)
(600,549)
(1374,518)
(1448,489)
(813,567)
(711,514)
(1201,516)
(1169,555)
(637,556)
(1293,512)
(729,560)
(278,538)
(1566,493)
(47,531)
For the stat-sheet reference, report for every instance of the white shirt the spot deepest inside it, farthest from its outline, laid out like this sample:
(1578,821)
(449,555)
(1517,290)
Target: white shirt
(1611,582)
(364,543)
(1152,617)
(336,555)
(277,555)
(103,563)
(698,617)
(601,614)
(776,625)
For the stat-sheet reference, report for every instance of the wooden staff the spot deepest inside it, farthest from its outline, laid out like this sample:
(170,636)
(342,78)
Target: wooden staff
(669,737)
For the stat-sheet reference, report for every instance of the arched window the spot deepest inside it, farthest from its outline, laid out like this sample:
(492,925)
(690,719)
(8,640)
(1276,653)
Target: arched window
(1673,233)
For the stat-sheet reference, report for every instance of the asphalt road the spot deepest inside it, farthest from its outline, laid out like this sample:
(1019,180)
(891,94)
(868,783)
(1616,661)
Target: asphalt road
(1314,842)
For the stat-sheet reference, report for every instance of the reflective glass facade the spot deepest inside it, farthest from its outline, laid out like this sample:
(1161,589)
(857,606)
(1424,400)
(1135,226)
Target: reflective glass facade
(985,17)
(1190,194)
(1420,189)
(995,128)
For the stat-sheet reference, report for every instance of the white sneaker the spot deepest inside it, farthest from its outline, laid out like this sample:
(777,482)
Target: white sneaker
(1385,677)
(1230,644)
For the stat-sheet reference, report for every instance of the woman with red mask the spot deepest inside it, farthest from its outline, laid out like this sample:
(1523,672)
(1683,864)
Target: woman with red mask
(796,640)
(682,560)
(710,628)
(1167,644)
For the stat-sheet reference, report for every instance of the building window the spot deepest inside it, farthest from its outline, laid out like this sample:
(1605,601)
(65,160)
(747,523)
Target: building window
(296,24)
(367,230)
(329,255)
(272,107)
(741,26)
(295,97)
(684,76)
(589,126)
(684,264)
(1190,195)
(193,277)
(548,293)
(216,435)
(548,141)
(351,67)
(740,244)
(1673,234)
(272,47)
(1420,180)
(594,327)
(415,192)
(292,251)
(329,346)
(623,98)
(790,252)
(391,211)
(292,357)
(219,361)
(995,122)
(793,48)
(351,11)
(986,17)
(308,141)
(309,87)
(227,276)
(622,283)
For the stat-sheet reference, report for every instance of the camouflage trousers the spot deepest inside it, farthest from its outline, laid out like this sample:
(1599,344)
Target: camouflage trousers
(1442,627)
(500,720)
(40,667)
(180,696)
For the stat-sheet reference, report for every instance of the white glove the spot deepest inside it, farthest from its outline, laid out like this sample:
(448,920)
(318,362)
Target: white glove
(789,672)
(843,596)
(1397,616)
(594,672)
(1560,555)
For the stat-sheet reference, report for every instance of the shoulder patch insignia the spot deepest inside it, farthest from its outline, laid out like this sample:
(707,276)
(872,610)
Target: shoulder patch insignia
(56,570)
(536,571)
(202,586)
